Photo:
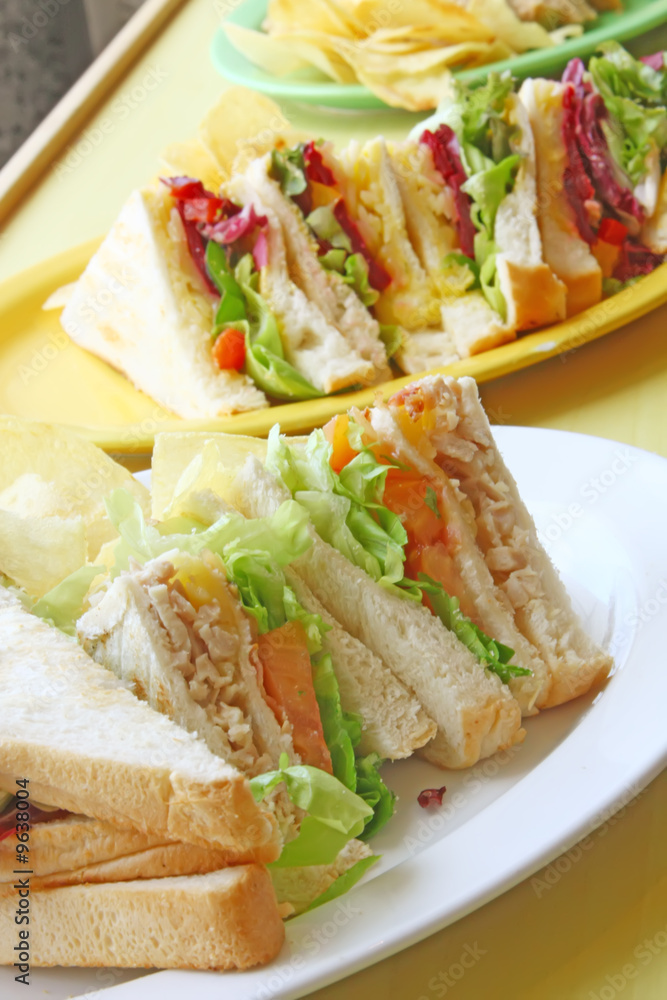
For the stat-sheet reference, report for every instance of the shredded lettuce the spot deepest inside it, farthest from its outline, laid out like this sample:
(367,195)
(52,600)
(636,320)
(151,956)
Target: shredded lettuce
(63,604)
(635,95)
(345,881)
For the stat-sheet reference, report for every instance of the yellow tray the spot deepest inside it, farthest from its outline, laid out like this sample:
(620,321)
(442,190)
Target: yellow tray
(44,376)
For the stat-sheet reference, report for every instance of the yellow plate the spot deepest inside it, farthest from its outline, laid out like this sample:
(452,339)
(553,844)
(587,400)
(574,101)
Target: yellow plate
(43,376)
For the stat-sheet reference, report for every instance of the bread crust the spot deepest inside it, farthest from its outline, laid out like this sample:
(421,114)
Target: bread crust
(89,746)
(153,315)
(227,919)
(166,860)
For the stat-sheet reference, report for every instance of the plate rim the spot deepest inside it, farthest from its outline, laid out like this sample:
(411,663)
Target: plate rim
(356,96)
(135,439)
(256,983)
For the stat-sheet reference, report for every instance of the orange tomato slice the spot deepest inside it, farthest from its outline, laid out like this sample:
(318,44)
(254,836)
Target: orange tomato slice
(288,681)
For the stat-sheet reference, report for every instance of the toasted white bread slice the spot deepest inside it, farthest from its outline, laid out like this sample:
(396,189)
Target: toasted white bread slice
(654,232)
(372,194)
(223,920)
(190,663)
(161,861)
(468,576)
(87,745)
(423,350)
(312,344)
(395,724)
(142,306)
(74,842)
(473,324)
(336,300)
(566,253)
(428,206)
(475,713)
(533,294)
(452,430)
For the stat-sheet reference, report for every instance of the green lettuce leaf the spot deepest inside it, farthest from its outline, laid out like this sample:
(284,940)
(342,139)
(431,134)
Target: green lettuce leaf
(63,604)
(487,188)
(335,814)
(336,727)
(372,789)
(482,117)
(232,305)
(392,337)
(342,508)
(635,96)
(347,512)
(333,260)
(493,654)
(288,168)
(265,357)
(356,275)
(345,881)
(282,537)
(461,273)
(489,280)
(326,226)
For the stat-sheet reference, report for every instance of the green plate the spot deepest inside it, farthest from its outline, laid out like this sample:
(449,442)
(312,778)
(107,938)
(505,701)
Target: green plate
(638,16)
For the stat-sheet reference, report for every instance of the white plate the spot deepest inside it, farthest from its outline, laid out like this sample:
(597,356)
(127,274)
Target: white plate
(600,507)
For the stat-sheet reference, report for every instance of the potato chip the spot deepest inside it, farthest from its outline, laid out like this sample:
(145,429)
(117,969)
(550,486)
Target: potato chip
(175,452)
(520,35)
(325,16)
(48,471)
(192,159)
(242,126)
(421,91)
(403,52)
(38,552)
(271,52)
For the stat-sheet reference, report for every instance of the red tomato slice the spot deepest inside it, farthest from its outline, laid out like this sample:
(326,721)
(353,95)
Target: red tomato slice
(229,349)
(288,681)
